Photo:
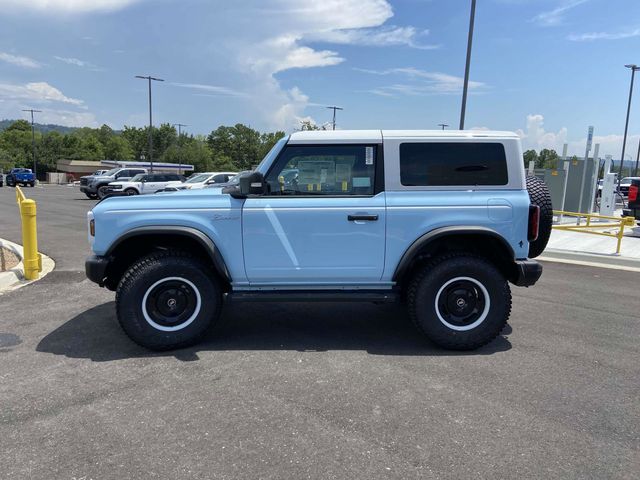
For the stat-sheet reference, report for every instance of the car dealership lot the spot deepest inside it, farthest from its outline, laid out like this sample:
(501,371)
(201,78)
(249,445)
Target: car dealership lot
(312,390)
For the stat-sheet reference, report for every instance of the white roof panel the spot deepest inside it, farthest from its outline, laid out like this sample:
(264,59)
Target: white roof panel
(342,136)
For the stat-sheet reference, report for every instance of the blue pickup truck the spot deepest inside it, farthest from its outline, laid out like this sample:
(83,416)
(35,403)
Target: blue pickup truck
(443,222)
(21,176)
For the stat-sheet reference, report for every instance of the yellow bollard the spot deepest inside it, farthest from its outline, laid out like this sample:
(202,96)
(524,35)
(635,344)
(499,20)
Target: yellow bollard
(32,260)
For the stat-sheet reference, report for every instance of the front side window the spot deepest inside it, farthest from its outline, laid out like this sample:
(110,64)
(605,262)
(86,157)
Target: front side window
(334,170)
(452,164)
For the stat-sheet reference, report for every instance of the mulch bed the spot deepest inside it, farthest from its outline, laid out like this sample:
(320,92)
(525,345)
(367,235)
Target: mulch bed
(8,259)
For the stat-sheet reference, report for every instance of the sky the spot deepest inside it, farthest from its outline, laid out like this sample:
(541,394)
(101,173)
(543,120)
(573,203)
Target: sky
(546,69)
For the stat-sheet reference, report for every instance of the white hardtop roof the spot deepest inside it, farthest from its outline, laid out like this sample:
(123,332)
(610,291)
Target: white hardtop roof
(376,136)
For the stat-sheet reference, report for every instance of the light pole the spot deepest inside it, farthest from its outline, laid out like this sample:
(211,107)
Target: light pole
(635,171)
(180,125)
(334,115)
(465,86)
(33,141)
(634,69)
(443,125)
(149,78)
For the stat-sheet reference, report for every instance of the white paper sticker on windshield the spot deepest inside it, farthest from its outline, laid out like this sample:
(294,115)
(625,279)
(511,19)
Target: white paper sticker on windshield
(368,155)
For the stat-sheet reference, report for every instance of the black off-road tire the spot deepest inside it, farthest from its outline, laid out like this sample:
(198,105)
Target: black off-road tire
(131,191)
(430,285)
(540,196)
(161,270)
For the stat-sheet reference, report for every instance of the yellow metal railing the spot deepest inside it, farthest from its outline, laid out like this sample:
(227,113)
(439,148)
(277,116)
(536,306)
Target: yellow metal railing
(32,259)
(589,227)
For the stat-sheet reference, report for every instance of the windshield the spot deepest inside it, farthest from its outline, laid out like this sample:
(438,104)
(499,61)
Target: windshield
(198,178)
(138,177)
(273,153)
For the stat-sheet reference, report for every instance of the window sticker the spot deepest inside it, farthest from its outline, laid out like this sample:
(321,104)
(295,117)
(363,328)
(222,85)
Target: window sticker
(316,171)
(343,172)
(368,155)
(361,182)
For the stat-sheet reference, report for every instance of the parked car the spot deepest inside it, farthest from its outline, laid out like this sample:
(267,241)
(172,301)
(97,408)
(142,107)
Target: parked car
(97,186)
(21,176)
(625,183)
(202,180)
(633,209)
(235,180)
(443,221)
(146,183)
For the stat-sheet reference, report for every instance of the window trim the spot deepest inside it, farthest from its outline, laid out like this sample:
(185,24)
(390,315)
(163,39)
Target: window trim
(378,171)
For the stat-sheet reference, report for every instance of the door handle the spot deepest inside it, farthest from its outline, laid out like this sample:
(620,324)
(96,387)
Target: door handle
(369,218)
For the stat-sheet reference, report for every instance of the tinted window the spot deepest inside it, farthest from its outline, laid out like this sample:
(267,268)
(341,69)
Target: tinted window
(221,178)
(324,170)
(450,164)
(171,177)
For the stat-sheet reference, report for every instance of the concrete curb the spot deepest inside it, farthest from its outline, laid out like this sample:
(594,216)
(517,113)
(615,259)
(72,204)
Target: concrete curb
(14,278)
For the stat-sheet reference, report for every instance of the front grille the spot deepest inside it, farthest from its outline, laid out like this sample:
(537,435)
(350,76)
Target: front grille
(83,181)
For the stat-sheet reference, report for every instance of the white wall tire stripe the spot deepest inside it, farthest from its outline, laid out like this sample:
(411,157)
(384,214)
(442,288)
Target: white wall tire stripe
(483,316)
(184,324)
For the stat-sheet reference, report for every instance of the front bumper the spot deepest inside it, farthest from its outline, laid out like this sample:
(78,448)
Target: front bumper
(87,189)
(95,268)
(528,272)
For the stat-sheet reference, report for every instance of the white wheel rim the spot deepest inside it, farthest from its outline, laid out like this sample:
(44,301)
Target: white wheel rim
(485,312)
(184,324)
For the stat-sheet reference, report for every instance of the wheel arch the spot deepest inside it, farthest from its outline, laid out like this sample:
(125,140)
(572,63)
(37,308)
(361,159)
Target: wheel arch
(475,239)
(141,240)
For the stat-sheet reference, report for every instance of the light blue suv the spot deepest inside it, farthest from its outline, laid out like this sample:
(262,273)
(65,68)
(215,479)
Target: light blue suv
(442,221)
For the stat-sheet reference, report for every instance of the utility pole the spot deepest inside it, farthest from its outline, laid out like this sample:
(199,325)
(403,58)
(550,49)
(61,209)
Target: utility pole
(334,115)
(465,86)
(33,141)
(180,125)
(149,78)
(634,68)
(443,125)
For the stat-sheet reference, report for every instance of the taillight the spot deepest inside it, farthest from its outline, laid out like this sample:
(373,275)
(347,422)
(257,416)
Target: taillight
(534,223)
(633,193)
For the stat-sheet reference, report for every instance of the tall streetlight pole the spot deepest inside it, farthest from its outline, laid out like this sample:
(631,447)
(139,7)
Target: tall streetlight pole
(443,125)
(635,172)
(334,115)
(634,69)
(465,87)
(33,140)
(149,78)
(180,125)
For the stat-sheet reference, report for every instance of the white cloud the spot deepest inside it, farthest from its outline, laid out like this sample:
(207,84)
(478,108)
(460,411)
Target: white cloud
(66,6)
(212,90)
(425,83)
(40,92)
(555,17)
(68,118)
(536,137)
(78,63)
(586,37)
(19,60)
(378,37)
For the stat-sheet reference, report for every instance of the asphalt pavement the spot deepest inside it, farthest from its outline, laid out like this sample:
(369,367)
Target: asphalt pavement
(313,390)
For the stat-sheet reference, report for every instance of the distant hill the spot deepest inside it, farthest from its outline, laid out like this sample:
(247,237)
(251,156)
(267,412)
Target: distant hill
(40,127)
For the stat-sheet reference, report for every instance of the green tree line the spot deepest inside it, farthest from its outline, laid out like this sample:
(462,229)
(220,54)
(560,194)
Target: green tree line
(547,158)
(234,148)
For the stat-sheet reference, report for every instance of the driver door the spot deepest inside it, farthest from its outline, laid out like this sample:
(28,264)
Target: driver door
(322,221)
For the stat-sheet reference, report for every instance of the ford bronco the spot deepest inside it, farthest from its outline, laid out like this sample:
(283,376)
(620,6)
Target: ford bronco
(442,221)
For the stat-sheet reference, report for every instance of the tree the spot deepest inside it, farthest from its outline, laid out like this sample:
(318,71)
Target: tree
(117,148)
(547,159)
(19,125)
(530,156)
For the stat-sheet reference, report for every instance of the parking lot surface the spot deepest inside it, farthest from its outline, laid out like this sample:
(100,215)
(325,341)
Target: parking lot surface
(312,390)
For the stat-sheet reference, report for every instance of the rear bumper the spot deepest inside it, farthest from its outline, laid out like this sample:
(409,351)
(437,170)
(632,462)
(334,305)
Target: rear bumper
(528,272)
(95,268)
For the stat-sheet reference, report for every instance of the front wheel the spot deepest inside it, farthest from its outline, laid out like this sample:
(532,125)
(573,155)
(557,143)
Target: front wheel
(103,192)
(459,301)
(131,191)
(168,300)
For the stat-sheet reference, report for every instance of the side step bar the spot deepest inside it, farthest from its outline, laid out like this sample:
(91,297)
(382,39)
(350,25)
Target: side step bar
(386,296)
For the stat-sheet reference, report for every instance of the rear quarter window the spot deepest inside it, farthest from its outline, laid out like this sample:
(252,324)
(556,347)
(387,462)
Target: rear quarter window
(453,164)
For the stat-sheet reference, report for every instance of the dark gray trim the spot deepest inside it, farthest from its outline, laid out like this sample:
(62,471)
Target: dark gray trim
(429,237)
(382,296)
(203,239)
(528,272)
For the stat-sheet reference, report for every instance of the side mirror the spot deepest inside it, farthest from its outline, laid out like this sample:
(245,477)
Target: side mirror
(253,184)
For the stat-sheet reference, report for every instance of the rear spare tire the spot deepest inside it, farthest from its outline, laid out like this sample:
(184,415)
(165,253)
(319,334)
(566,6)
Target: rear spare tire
(540,196)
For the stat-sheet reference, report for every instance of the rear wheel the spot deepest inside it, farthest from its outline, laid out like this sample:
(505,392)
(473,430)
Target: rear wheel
(459,301)
(168,300)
